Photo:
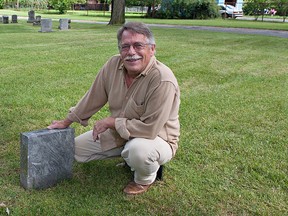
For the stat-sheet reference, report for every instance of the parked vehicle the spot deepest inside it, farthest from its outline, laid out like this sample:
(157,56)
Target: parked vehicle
(227,11)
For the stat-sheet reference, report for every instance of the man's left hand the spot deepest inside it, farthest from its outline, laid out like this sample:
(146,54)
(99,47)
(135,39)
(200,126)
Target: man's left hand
(102,125)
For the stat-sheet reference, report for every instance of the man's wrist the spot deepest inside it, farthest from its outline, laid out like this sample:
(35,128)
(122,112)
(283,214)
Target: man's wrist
(111,122)
(67,122)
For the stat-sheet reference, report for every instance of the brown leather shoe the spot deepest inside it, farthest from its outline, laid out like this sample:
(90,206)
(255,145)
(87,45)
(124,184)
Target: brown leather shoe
(133,188)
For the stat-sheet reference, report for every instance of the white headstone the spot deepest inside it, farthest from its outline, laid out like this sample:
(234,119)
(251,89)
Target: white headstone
(63,24)
(46,25)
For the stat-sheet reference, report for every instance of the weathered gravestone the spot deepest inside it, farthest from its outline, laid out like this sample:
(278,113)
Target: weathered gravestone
(14,19)
(1,19)
(5,19)
(46,25)
(46,157)
(31,16)
(37,21)
(63,24)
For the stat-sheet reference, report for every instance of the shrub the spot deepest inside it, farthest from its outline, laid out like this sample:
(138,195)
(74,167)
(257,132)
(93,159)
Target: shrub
(180,9)
(1,4)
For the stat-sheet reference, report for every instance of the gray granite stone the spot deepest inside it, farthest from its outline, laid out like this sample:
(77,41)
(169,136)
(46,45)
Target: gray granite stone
(31,16)
(14,19)
(37,21)
(63,24)
(46,25)
(5,19)
(1,19)
(46,157)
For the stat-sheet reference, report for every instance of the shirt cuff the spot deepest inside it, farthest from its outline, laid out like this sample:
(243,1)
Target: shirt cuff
(120,126)
(74,118)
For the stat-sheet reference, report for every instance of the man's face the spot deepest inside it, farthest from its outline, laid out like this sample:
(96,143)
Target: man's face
(136,52)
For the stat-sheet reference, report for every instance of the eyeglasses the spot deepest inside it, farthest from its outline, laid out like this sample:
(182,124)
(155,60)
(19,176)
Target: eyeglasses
(136,46)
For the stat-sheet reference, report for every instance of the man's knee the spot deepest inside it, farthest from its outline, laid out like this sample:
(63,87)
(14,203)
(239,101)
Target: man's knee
(138,151)
(135,146)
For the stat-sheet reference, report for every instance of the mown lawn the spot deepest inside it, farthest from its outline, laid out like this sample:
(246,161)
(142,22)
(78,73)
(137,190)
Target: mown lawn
(232,158)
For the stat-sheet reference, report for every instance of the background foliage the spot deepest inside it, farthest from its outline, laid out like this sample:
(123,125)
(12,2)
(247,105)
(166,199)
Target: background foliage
(170,9)
(63,5)
(258,7)
(181,9)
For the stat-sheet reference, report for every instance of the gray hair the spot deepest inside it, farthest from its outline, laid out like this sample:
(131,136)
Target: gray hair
(136,27)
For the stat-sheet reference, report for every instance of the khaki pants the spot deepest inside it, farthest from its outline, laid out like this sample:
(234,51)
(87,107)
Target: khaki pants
(144,156)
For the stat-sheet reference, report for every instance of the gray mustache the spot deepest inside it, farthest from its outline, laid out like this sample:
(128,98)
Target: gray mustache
(135,57)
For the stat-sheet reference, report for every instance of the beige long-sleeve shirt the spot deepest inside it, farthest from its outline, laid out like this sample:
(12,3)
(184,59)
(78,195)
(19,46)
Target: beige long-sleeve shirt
(148,108)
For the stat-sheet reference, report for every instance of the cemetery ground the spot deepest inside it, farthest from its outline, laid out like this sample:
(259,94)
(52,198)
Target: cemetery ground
(232,157)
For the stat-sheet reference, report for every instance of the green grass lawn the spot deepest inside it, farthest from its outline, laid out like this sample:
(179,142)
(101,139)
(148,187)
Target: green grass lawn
(232,158)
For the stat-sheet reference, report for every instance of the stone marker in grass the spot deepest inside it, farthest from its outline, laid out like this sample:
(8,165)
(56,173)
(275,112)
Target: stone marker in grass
(14,19)
(63,24)
(46,157)
(5,19)
(37,21)
(46,25)
(31,16)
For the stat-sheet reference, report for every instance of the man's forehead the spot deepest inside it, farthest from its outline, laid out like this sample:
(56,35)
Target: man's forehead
(130,33)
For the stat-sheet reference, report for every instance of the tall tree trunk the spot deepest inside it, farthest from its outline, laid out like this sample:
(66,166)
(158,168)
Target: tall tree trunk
(117,12)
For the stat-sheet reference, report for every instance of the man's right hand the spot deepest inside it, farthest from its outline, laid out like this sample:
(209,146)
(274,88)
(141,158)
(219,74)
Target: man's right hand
(60,124)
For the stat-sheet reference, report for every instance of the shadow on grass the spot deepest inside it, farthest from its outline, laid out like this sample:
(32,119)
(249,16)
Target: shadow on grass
(101,175)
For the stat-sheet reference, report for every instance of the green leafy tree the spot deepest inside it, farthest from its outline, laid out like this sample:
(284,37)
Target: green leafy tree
(63,5)
(2,4)
(256,7)
(282,8)
(150,4)
(187,9)
(130,3)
